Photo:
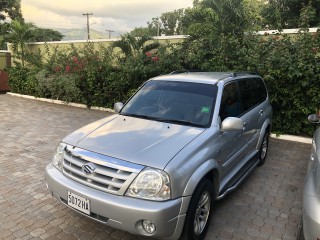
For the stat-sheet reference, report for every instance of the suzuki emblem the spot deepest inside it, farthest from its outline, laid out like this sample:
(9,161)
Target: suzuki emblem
(88,168)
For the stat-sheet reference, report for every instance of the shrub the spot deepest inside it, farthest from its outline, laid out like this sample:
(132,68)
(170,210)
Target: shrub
(21,80)
(291,67)
(57,86)
(289,64)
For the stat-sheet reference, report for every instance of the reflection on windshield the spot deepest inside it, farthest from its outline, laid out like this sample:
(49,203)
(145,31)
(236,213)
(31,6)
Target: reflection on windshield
(175,102)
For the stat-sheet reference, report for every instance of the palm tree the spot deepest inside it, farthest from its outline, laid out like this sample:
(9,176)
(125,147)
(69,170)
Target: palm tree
(133,46)
(227,16)
(4,27)
(216,30)
(19,34)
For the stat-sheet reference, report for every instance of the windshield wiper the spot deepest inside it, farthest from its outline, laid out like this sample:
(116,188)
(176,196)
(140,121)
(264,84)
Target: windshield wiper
(174,121)
(136,115)
(183,122)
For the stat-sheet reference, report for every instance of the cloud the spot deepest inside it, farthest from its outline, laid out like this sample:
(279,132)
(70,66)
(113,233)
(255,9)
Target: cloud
(120,14)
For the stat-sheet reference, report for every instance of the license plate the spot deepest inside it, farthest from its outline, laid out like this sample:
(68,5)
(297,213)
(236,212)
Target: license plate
(78,202)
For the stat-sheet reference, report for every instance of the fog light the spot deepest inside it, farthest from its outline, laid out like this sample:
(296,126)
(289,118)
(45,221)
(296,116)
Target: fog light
(149,226)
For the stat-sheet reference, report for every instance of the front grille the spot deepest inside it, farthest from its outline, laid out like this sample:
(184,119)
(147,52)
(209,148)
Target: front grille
(109,174)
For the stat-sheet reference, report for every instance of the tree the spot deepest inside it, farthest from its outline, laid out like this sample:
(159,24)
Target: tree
(228,15)
(155,26)
(140,31)
(4,29)
(216,17)
(12,8)
(253,10)
(217,32)
(308,16)
(279,14)
(19,34)
(169,23)
(45,35)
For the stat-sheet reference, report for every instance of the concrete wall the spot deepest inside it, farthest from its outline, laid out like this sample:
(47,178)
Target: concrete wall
(36,46)
(5,59)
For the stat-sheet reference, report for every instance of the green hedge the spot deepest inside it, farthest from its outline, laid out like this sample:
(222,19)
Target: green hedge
(289,65)
(291,68)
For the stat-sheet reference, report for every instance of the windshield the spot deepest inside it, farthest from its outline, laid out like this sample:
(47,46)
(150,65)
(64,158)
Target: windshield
(176,102)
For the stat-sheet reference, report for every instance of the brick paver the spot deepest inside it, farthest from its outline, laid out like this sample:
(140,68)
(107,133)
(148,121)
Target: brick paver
(266,206)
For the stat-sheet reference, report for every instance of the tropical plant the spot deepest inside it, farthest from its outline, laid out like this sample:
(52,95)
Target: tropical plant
(221,16)
(19,34)
(216,34)
(134,46)
(4,29)
(280,14)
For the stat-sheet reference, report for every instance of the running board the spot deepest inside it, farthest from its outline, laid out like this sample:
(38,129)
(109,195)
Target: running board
(246,170)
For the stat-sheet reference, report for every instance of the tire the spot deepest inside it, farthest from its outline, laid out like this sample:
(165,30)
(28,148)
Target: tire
(199,212)
(262,154)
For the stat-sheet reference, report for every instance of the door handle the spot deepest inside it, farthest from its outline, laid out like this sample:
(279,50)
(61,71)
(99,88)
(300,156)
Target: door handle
(244,125)
(261,112)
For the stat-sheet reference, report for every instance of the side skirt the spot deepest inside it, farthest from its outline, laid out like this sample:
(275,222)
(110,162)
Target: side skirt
(234,182)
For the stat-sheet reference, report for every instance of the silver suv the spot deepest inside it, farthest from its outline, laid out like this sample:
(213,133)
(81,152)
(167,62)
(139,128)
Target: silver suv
(156,167)
(311,189)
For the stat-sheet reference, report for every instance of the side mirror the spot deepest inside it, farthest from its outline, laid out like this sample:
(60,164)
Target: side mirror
(118,106)
(314,118)
(232,124)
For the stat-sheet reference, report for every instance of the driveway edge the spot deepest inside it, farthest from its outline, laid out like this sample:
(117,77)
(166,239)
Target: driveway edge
(59,102)
(293,138)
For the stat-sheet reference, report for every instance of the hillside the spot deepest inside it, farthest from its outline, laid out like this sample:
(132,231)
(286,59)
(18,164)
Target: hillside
(81,34)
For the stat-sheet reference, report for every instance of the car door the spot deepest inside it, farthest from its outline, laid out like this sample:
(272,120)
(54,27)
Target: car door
(231,144)
(252,94)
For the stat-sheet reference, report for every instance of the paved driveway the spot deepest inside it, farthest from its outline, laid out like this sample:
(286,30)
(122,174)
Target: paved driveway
(266,206)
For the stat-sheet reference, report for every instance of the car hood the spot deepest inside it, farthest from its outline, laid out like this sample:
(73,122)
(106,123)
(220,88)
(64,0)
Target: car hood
(146,142)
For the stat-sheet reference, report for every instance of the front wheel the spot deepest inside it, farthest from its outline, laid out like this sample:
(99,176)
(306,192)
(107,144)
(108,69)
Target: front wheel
(199,212)
(262,155)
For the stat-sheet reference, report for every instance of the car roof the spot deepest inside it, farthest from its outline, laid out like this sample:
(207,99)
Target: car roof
(202,77)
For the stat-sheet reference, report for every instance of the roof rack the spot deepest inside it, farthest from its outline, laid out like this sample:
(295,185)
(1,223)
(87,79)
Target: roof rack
(236,74)
(186,71)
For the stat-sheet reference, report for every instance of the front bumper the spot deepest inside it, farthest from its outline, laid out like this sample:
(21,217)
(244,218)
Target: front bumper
(122,212)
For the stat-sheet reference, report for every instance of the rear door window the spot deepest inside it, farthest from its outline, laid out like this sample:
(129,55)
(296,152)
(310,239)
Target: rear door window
(252,92)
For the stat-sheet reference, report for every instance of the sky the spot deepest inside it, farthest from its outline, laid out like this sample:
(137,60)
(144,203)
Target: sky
(116,15)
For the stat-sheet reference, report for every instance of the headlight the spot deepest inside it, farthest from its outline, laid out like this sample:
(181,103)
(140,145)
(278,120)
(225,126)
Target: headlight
(58,156)
(151,184)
